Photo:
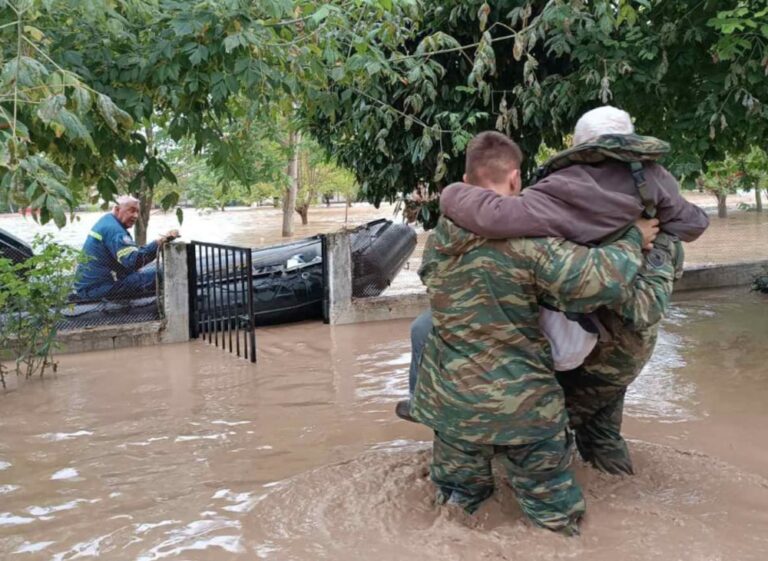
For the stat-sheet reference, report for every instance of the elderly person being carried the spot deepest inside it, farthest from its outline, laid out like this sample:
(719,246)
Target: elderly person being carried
(486,382)
(116,267)
(589,202)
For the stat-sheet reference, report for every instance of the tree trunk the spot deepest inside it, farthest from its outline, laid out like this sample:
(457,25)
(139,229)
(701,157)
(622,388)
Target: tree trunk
(145,196)
(142,224)
(303,211)
(289,200)
(722,209)
(347,204)
(758,199)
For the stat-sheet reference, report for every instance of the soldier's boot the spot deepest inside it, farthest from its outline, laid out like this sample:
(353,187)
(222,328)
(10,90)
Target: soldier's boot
(543,482)
(600,443)
(462,472)
(403,410)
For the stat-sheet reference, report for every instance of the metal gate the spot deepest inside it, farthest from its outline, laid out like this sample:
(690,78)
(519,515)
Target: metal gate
(221,307)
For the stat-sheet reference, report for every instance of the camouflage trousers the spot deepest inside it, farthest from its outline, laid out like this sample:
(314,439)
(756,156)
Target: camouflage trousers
(539,473)
(594,393)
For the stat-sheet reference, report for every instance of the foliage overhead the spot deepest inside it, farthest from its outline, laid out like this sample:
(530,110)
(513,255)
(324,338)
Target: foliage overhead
(393,89)
(693,75)
(81,83)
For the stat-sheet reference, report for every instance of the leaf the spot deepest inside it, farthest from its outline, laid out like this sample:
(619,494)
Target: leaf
(440,169)
(34,33)
(112,114)
(232,42)
(50,108)
(482,15)
(321,13)
(517,50)
(106,188)
(180,215)
(56,211)
(82,99)
(171,199)
(198,54)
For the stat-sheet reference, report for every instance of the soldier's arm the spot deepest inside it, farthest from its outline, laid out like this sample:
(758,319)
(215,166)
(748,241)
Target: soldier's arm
(652,289)
(580,279)
(128,254)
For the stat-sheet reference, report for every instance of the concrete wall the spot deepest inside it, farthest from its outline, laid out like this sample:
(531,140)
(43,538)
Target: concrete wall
(343,309)
(110,337)
(701,277)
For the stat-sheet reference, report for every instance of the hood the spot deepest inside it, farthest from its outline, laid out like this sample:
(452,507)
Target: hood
(450,239)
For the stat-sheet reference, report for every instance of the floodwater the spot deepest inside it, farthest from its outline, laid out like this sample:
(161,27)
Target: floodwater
(186,452)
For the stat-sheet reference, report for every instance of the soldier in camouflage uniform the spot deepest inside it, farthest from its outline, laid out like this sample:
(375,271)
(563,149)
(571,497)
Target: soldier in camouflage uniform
(587,204)
(486,383)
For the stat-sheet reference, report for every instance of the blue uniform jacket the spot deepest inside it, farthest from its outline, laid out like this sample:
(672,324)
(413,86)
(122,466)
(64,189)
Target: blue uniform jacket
(112,255)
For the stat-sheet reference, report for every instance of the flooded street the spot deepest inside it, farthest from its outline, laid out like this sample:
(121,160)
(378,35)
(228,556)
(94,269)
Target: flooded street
(186,452)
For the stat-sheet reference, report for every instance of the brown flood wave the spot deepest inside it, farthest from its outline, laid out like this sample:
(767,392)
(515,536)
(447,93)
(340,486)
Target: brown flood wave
(679,505)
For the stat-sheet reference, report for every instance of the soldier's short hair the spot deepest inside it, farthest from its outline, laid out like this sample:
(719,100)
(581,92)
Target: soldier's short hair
(491,156)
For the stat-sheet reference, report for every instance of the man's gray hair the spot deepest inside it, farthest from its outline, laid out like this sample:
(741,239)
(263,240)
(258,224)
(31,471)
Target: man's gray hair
(603,120)
(126,200)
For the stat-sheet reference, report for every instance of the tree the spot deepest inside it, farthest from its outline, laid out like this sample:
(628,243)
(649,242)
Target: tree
(394,89)
(292,189)
(319,176)
(722,179)
(754,166)
(185,67)
(531,68)
(56,132)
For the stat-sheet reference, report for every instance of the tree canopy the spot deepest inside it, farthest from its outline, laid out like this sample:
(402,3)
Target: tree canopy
(392,89)
(694,75)
(82,83)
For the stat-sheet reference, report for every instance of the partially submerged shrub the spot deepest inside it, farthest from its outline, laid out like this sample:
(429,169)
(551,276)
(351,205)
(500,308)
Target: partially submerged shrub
(33,296)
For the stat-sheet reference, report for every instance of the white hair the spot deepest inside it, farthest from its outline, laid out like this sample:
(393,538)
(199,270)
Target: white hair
(603,120)
(125,200)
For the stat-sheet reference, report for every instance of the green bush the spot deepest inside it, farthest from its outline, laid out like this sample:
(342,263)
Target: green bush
(33,296)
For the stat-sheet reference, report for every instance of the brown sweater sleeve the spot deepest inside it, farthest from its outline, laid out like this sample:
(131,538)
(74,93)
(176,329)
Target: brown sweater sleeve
(568,205)
(491,215)
(677,215)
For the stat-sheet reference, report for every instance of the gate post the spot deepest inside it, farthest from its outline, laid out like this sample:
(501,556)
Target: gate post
(338,276)
(175,293)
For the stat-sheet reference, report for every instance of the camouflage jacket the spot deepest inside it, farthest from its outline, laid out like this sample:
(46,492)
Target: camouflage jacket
(487,374)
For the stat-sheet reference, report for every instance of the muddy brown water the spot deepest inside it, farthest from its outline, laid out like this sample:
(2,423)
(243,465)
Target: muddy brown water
(186,452)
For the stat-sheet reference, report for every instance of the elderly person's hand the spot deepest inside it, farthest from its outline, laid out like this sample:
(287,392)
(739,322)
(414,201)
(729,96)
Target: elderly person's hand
(649,229)
(167,237)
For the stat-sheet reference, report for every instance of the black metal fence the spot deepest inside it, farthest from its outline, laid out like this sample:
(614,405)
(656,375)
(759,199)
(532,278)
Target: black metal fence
(221,308)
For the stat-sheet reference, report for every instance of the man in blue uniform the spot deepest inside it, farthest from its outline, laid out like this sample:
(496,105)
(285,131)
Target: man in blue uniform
(115,266)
